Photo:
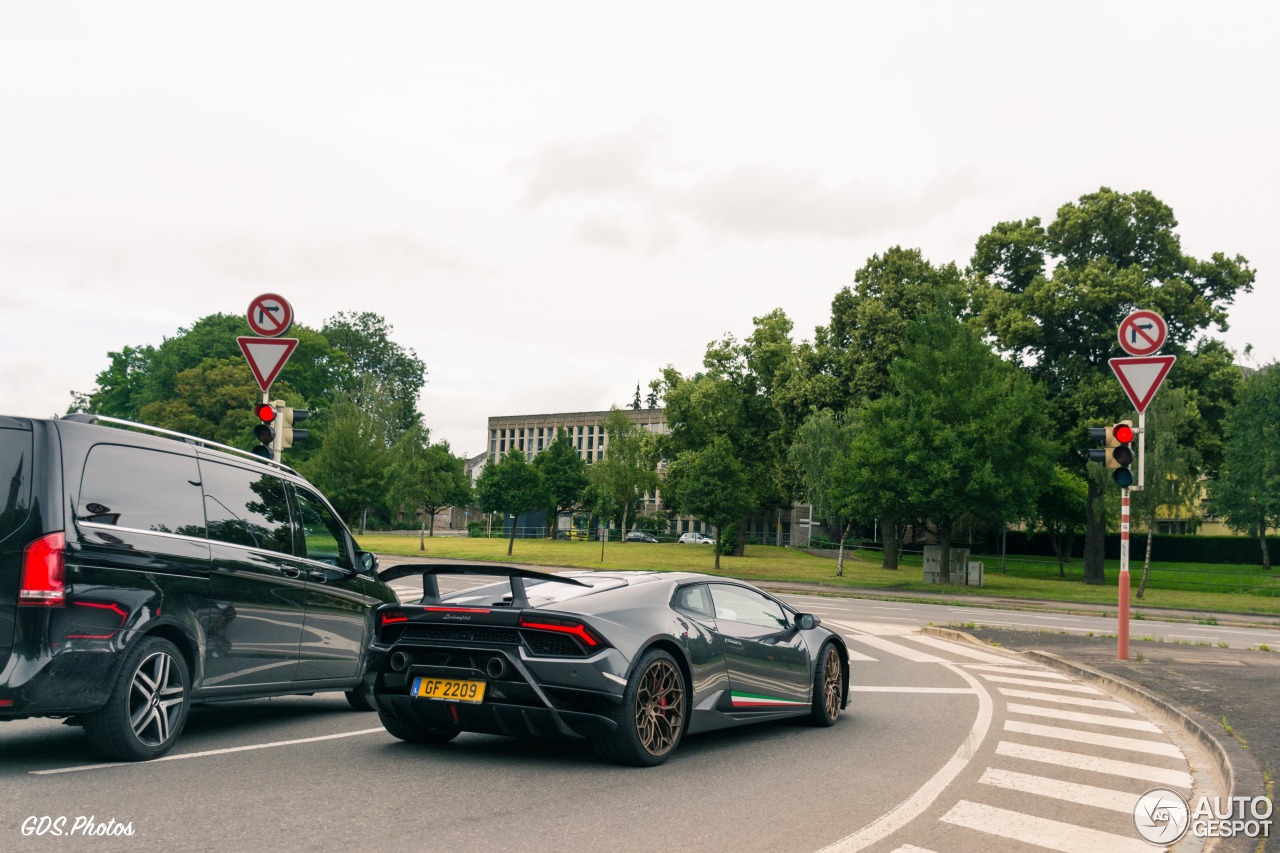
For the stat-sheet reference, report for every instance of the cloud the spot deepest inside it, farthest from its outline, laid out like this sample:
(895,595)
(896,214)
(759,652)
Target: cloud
(598,165)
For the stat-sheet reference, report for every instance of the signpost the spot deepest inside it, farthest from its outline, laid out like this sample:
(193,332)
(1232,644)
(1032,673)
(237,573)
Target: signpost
(1141,334)
(270,315)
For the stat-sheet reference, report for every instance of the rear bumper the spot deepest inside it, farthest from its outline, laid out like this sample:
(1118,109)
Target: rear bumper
(495,717)
(75,678)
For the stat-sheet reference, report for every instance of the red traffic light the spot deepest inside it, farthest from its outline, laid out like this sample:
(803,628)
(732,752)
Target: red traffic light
(265,412)
(1122,433)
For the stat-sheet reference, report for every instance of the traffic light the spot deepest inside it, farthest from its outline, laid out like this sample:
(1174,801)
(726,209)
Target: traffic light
(1116,452)
(263,431)
(288,434)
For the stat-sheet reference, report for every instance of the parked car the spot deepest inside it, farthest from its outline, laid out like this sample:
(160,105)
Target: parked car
(142,571)
(632,661)
(696,539)
(641,536)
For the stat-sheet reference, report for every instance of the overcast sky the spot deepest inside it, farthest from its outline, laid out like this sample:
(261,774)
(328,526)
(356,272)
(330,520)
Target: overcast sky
(550,201)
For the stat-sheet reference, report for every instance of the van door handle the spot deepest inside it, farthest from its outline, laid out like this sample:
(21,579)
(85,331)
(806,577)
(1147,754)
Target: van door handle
(317,575)
(732,643)
(290,572)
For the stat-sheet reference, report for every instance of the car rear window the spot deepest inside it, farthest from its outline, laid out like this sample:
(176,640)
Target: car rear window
(541,593)
(15,479)
(141,489)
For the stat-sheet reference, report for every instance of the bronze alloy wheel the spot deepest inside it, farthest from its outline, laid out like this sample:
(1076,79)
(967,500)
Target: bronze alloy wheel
(831,682)
(660,707)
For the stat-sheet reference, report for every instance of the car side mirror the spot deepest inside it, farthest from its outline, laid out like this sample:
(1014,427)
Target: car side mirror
(807,621)
(368,563)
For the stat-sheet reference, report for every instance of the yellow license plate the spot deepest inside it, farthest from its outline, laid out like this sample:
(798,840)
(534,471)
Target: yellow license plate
(449,689)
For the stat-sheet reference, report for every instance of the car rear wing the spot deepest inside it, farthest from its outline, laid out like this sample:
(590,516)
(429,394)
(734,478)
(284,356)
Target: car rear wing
(431,588)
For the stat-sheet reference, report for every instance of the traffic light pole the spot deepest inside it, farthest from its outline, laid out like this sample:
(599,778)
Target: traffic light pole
(1122,631)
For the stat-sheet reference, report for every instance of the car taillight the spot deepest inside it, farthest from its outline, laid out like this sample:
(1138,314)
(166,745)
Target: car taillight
(390,617)
(44,572)
(563,626)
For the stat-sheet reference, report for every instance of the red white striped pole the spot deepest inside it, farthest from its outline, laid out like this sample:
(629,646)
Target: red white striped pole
(1123,630)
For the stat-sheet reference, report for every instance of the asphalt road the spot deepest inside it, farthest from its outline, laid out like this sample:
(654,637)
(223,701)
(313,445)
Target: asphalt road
(945,747)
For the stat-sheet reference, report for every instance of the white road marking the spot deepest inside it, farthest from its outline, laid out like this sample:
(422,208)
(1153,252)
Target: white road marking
(1072,792)
(1081,717)
(895,648)
(961,649)
(1133,744)
(924,796)
(1031,682)
(911,848)
(206,753)
(860,656)
(869,689)
(1094,764)
(1097,704)
(1041,832)
(1014,670)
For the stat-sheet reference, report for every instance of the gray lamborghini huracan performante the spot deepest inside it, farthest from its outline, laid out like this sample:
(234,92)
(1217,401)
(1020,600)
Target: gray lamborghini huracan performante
(632,661)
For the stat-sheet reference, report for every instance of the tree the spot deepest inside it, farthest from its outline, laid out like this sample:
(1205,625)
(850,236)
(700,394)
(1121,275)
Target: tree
(1059,511)
(655,390)
(629,467)
(711,484)
(1168,467)
(960,435)
(427,476)
(512,486)
(821,454)
(1053,299)
(365,338)
(848,363)
(1247,492)
(635,401)
(351,463)
(735,400)
(565,474)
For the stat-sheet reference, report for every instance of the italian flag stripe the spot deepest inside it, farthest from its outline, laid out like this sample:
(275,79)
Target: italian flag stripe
(755,700)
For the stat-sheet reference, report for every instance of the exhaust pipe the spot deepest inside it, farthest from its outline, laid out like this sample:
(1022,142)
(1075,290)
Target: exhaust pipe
(496,667)
(399,661)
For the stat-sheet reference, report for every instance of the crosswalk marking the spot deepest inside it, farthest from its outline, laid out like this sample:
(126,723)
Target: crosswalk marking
(911,848)
(1053,834)
(1030,682)
(859,656)
(959,649)
(1074,792)
(1081,717)
(1097,704)
(1151,747)
(1017,669)
(871,689)
(896,649)
(1094,764)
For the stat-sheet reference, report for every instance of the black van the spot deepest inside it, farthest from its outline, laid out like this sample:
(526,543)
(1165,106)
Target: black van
(143,570)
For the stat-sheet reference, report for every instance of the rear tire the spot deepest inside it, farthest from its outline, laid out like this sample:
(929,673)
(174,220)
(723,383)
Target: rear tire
(651,719)
(148,705)
(414,733)
(828,687)
(359,701)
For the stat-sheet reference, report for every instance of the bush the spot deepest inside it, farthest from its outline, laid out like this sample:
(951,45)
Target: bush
(1165,548)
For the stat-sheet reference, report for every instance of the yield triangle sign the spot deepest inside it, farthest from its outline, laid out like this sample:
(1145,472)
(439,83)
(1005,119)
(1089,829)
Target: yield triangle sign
(266,356)
(1141,377)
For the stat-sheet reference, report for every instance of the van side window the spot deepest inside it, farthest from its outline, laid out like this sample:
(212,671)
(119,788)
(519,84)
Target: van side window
(15,479)
(322,533)
(246,507)
(141,489)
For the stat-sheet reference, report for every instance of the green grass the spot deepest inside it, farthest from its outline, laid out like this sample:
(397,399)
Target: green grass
(767,563)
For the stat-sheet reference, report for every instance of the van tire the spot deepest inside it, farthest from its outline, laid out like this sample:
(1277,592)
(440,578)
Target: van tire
(153,686)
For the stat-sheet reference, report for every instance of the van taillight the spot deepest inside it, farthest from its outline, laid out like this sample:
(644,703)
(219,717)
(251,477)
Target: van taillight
(44,572)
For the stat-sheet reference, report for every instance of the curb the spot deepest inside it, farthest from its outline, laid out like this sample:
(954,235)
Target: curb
(1238,774)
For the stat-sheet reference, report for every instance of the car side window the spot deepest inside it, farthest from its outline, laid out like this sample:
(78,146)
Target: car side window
(246,507)
(743,605)
(694,599)
(141,489)
(322,534)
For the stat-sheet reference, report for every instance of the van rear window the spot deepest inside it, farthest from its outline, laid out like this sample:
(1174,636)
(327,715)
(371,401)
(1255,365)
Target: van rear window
(141,489)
